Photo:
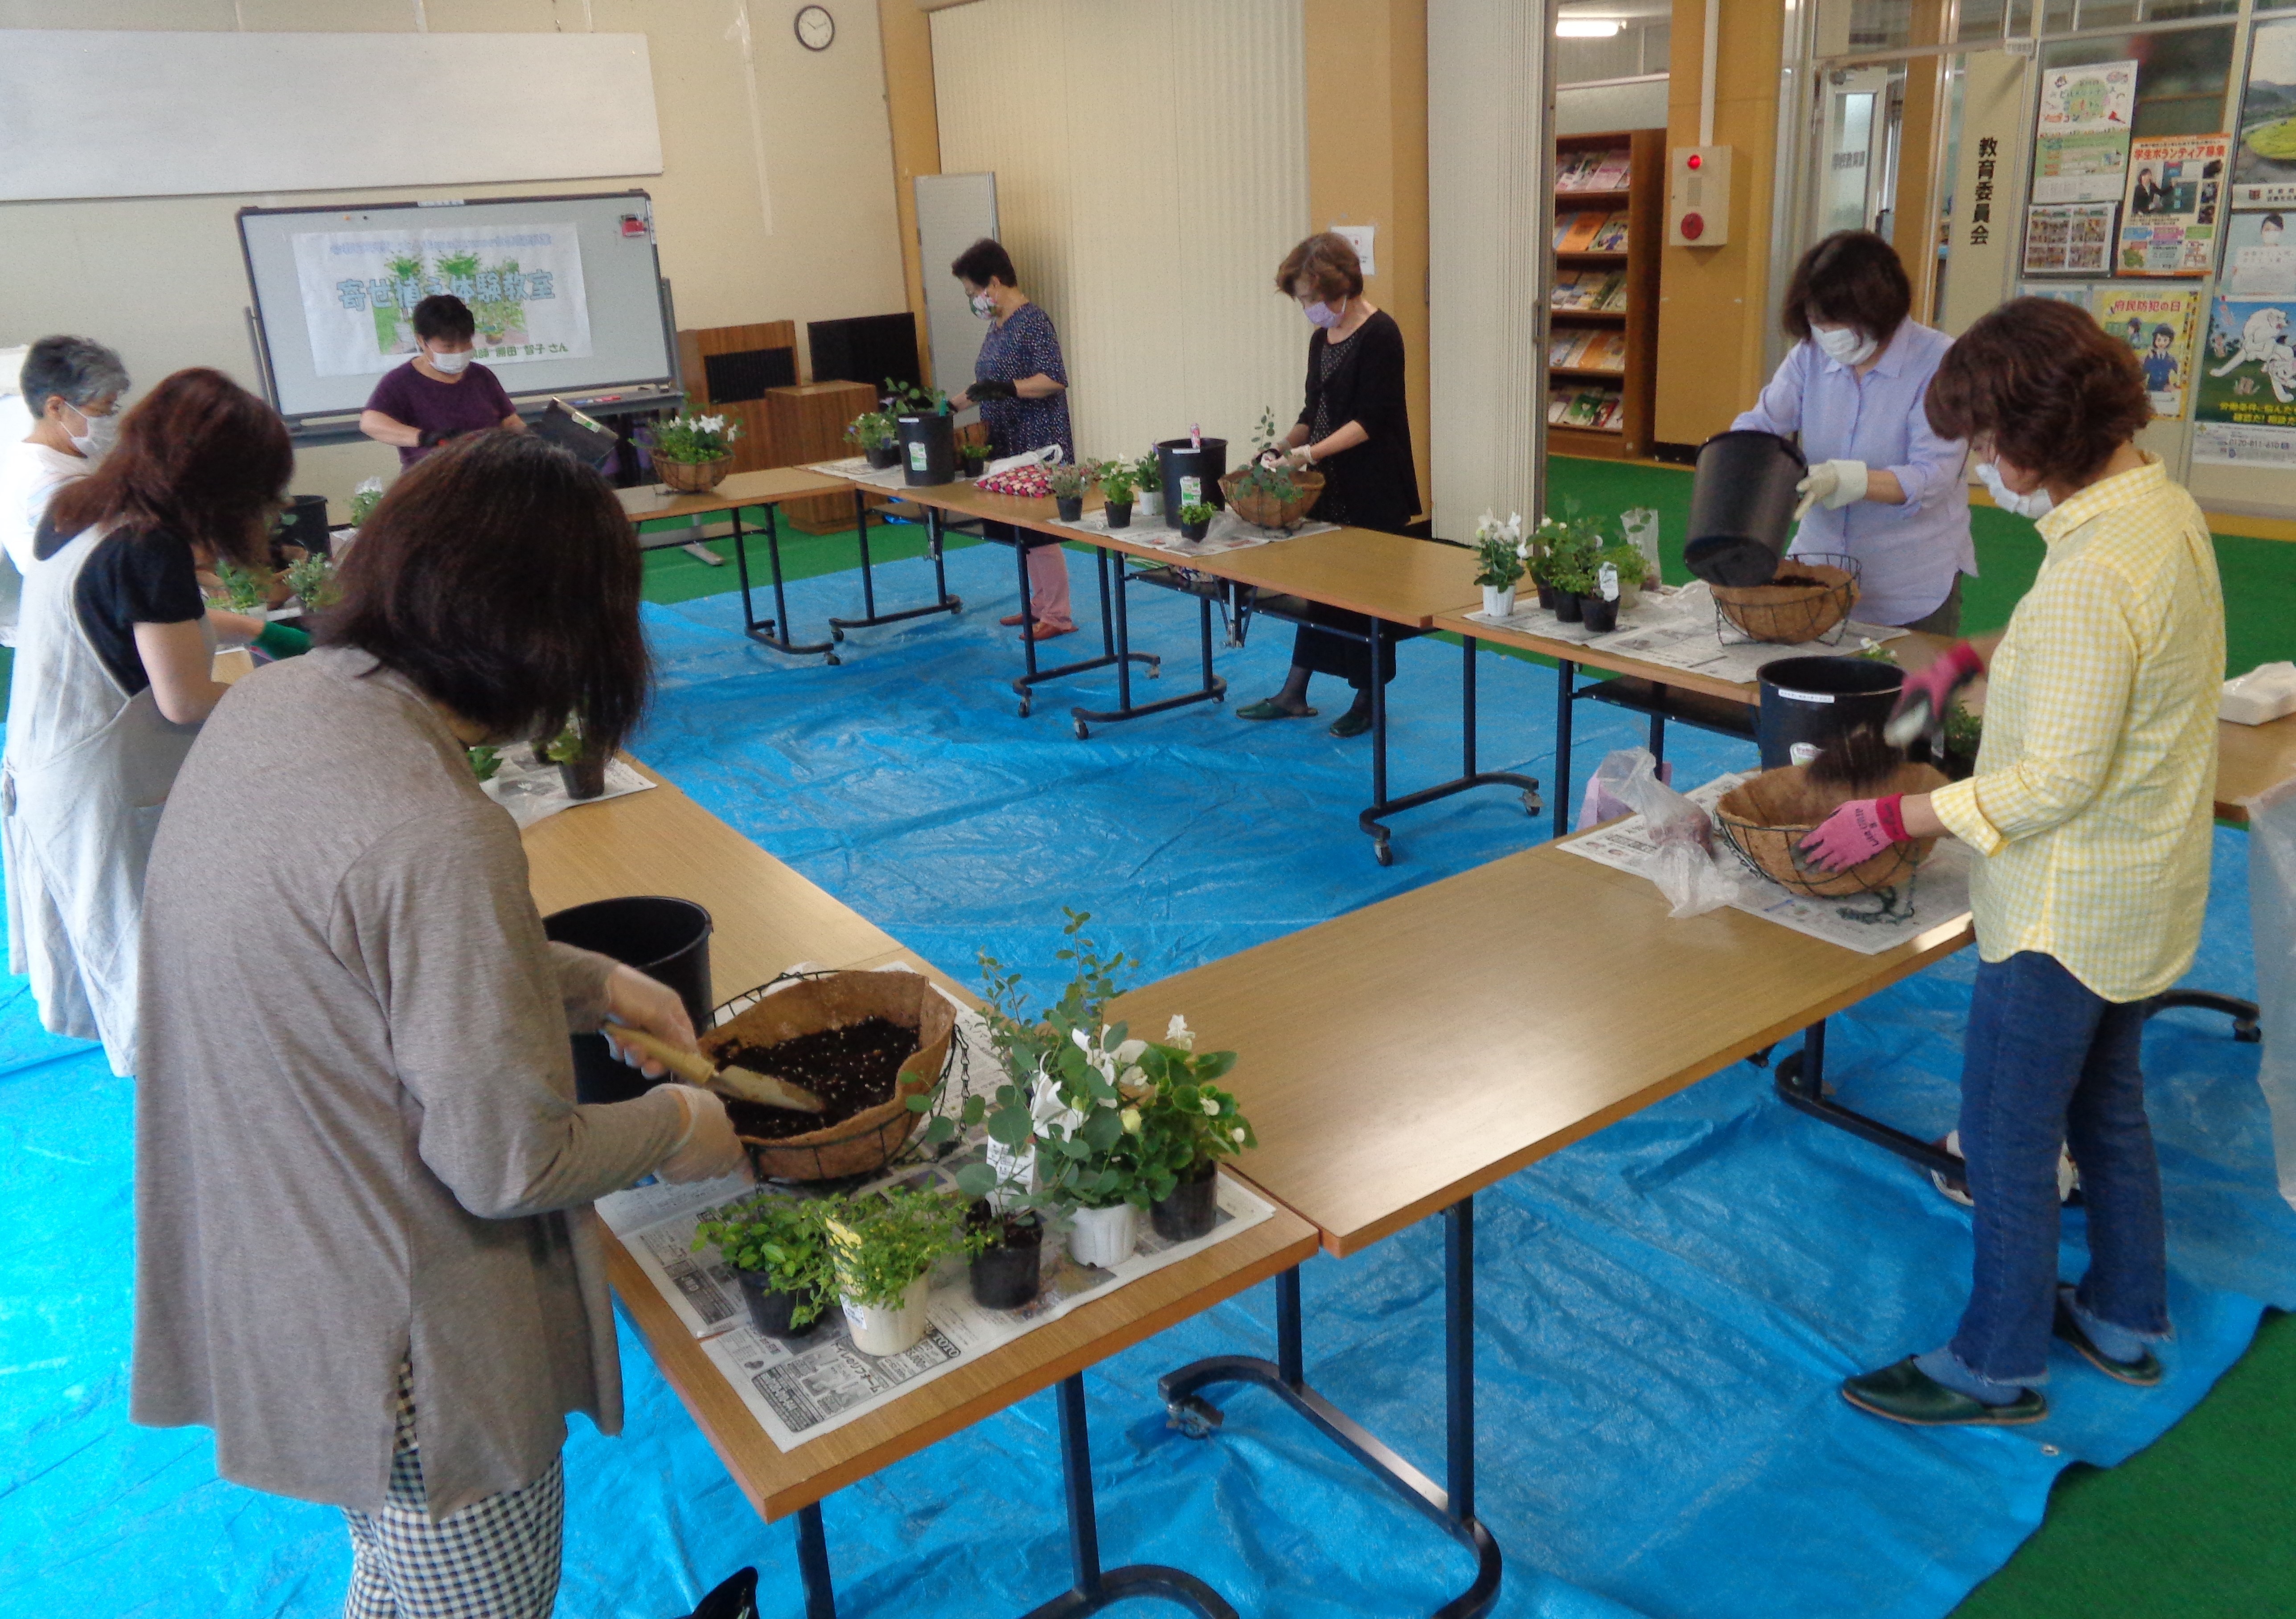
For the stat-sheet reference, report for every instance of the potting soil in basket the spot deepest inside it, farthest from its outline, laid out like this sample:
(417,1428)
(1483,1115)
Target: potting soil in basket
(851,1069)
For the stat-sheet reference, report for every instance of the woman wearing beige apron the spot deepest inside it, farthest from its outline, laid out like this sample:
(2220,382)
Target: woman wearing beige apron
(112,677)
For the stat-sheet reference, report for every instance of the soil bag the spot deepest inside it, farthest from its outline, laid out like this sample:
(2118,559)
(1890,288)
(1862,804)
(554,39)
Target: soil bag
(1682,862)
(2272,913)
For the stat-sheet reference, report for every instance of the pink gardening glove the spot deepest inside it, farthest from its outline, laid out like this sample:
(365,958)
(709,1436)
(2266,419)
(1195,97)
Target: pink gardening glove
(1927,697)
(1856,832)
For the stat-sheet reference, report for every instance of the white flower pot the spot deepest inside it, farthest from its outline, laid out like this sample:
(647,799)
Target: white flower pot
(1104,1237)
(1151,502)
(879,1329)
(1499,601)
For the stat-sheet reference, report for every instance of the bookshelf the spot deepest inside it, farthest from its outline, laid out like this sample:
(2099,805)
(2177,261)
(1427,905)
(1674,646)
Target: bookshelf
(1603,317)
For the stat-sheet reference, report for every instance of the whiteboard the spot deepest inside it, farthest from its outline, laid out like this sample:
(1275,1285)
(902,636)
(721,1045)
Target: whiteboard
(622,304)
(954,211)
(92,112)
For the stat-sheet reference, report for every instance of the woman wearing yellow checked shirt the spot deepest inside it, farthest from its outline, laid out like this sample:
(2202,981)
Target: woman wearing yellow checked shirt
(2092,806)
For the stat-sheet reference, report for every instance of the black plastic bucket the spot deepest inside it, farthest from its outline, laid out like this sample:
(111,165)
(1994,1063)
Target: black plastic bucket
(304,523)
(1181,462)
(1809,702)
(928,448)
(1742,506)
(663,938)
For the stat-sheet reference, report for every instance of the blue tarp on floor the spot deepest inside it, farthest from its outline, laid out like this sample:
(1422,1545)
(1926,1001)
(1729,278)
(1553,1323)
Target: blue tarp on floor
(1665,1308)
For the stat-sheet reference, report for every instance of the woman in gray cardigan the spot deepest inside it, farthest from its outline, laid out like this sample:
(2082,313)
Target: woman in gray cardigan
(365,1251)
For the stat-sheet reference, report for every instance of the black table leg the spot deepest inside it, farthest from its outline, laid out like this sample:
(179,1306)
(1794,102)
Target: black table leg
(772,632)
(1469,776)
(942,602)
(1110,616)
(1566,677)
(1800,1079)
(1211,690)
(813,1564)
(2242,1012)
(1452,1509)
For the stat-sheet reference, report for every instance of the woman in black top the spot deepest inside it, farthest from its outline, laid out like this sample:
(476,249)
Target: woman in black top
(1354,429)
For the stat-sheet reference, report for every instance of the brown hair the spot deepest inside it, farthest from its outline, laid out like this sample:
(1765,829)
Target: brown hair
(501,576)
(1327,262)
(1852,278)
(2045,386)
(201,458)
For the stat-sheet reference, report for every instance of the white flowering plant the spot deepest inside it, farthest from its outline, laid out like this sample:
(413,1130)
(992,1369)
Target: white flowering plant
(695,438)
(1502,550)
(1186,1122)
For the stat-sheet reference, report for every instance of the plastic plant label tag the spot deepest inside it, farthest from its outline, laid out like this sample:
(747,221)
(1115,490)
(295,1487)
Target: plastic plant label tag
(1191,491)
(1608,581)
(918,460)
(1802,752)
(1795,696)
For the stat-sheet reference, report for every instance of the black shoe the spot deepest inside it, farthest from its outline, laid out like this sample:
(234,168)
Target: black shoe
(2144,1372)
(1355,722)
(736,1599)
(1905,1393)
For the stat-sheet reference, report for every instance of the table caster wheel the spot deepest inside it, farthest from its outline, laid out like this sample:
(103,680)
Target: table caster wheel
(1195,1416)
(1382,854)
(836,634)
(1155,672)
(831,659)
(1531,804)
(1082,730)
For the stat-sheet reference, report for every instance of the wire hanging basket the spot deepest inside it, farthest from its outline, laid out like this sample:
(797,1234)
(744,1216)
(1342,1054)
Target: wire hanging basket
(1765,817)
(797,1004)
(1809,600)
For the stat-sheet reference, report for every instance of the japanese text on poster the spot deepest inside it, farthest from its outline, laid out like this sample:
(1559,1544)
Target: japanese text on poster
(2245,403)
(523,284)
(2169,225)
(2157,324)
(2264,162)
(2080,141)
(2069,239)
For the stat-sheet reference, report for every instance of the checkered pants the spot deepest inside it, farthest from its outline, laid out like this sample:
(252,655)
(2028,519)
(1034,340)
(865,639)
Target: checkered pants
(493,1559)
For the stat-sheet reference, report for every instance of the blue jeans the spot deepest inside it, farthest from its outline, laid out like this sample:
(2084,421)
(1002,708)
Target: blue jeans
(2048,1062)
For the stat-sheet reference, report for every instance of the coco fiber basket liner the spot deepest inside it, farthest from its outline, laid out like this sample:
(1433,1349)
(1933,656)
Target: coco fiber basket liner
(1808,600)
(1264,510)
(1765,816)
(866,1141)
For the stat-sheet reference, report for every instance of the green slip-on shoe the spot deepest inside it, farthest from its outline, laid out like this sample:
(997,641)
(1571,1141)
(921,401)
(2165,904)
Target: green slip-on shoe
(1268,708)
(1905,1393)
(1351,724)
(2144,1372)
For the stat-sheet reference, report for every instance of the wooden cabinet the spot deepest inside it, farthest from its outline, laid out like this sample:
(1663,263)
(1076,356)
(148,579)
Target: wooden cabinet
(809,424)
(1602,343)
(729,371)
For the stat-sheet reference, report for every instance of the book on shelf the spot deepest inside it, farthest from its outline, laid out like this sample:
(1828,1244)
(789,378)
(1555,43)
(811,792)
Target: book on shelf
(1568,348)
(1611,295)
(1570,290)
(1575,170)
(1558,401)
(1608,409)
(1585,409)
(1575,234)
(1610,237)
(1607,351)
(1610,170)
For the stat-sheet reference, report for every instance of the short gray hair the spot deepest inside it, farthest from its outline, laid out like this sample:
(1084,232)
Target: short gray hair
(75,369)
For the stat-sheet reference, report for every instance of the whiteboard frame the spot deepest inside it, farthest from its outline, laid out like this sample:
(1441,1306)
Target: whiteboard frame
(672,379)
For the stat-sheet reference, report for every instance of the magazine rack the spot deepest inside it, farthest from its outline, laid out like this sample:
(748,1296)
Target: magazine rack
(1591,339)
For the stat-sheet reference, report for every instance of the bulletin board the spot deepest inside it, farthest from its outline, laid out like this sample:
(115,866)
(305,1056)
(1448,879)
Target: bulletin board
(567,290)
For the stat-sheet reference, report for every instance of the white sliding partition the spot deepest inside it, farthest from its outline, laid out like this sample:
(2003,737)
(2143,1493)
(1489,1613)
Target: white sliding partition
(1489,173)
(1151,172)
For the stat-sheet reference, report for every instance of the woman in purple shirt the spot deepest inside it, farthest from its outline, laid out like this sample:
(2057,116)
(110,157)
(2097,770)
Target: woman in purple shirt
(441,393)
(1882,488)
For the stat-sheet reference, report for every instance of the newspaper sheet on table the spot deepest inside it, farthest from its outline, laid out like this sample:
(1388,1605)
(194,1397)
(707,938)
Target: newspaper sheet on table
(534,792)
(1227,532)
(1678,627)
(858,468)
(1867,923)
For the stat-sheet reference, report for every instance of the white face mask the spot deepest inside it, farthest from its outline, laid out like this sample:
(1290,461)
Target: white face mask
(103,433)
(450,364)
(983,306)
(1846,344)
(2036,505)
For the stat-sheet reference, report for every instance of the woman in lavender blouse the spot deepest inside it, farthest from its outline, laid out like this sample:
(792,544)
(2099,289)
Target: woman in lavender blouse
(1882,488)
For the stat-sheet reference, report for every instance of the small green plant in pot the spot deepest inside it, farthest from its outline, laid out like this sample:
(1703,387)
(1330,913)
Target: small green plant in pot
(875,432)
(312,580)
(485,762)
(1068,479)
(1634,570)
(245,590)
(1118,479)
(1188,1124)
(883,1247)
(581,768)
(692,453)
(1573,580)
(972,458)
(1195,520)
(1965,733)
(1501,552)
(365,500)
(1149,478)
(778,1251)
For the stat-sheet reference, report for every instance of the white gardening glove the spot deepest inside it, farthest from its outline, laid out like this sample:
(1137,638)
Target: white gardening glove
(1298,458)
(1832,484)
(709,1149)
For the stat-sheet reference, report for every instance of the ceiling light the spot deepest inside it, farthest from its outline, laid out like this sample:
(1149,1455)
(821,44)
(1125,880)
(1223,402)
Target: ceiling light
(1586,28)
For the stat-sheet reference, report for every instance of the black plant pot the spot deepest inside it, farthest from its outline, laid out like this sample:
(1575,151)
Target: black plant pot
(1008,1275)
(1599,614)
(929,448)
(972,466)
(1546,595)
(1195,531)
(1570,606)
(770,1309)
(1189,1212)
(1119,514)
(884,456)
(585,778)
(1068,508)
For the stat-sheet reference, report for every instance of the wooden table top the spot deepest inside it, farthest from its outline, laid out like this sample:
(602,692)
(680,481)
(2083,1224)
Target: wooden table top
(1398,1059)
(765,915)
(1591,657)
(769,487)
(1392,577)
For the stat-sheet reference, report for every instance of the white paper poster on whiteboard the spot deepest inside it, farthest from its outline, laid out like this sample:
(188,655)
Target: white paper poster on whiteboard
(523,283)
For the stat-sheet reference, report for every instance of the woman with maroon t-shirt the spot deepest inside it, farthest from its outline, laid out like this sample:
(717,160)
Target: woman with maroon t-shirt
(441,393)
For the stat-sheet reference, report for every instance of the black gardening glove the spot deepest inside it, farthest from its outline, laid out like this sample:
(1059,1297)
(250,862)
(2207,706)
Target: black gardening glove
(991,388)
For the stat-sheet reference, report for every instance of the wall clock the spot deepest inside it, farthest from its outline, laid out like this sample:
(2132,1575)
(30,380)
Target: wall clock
(817,29)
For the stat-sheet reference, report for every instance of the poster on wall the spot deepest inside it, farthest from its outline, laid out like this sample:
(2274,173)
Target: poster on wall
(2244,406)
(523,283)
(2157,323)
(2169,222)
(2069,239)
(2079,297)
(2080,139)
(2264,162)
(2260,257)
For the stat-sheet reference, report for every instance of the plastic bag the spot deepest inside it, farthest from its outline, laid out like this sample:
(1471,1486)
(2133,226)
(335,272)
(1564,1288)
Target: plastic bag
(2272,915)
(2265,693)
(1641,524)
(1603,800)
(1683,861)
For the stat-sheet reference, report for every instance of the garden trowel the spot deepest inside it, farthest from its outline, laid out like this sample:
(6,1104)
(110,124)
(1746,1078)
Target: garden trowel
(742,1084)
